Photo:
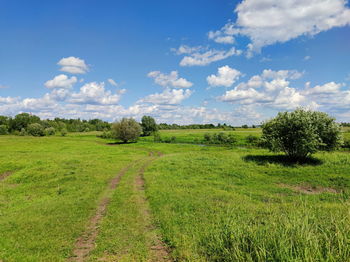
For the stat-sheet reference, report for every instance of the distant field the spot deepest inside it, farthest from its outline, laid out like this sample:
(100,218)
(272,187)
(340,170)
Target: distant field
(145,201)
(197,135)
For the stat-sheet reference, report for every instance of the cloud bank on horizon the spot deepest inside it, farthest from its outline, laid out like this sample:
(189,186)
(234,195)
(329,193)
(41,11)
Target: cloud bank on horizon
(212,82)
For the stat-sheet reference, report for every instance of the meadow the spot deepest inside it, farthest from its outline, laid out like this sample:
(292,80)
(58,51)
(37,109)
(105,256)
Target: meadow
(180,201)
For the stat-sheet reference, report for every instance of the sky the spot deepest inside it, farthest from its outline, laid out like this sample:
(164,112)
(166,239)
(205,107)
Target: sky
(184,61)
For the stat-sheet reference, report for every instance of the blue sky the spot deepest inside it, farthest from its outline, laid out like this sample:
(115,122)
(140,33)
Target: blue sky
(180,61)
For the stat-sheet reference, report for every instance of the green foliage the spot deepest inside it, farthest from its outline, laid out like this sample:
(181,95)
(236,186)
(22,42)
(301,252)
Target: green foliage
(23,121)
(301,133)
(64,132)
(346,144)
(49,131)
(22,133)
(3,129)
(220,138)
(252,140)
(106,135)
(35,129)
(127,130)
(148,125)
(156,137)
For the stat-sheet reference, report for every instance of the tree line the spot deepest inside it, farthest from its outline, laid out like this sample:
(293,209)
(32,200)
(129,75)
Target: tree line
(28,124)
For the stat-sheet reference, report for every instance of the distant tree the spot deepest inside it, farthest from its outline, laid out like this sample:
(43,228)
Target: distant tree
(245,126)
(301,133)
(127,130)
(35,129)
(148,125)
(23,121)
(3,129)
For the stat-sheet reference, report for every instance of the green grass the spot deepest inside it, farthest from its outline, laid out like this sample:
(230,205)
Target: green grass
(206,203)
(196,136)
(231,209)
(46,203)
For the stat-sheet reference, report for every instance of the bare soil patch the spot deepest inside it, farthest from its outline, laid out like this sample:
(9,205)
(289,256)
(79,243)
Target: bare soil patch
(4,175)
(310,190)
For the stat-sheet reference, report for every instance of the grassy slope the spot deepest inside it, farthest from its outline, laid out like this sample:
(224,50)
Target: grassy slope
(47,201)
(210,203)
(232,209)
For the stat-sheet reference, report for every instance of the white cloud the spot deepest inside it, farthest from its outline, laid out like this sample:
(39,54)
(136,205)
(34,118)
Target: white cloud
(167,97)
(61,81)
(73,65)
(267,22)
(94,93)
(112,82)
(270,89)
(169,80)
(8,100)
(2,86)
(225,35)
(328,88)
(185,49)
(208,57)
(307,58)
(226,76)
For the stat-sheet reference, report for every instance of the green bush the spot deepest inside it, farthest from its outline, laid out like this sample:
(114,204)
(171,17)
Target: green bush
(35,129)
(156,137)
(219,138)
(346,144)
(23,132)
(50,131)
(64,132)
(4,129)
(106,135)
(301,133)
(252,140)
(126,130)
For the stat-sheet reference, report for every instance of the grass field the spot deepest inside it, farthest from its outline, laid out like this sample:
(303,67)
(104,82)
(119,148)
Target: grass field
(62,198)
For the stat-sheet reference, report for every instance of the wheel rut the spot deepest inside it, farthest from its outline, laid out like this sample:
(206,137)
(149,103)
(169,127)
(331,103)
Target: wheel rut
(158,250)
(86,242)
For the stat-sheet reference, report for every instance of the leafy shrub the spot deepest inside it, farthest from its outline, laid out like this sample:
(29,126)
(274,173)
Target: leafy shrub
(156,137)
(219,138)
(301,133)
(23,132)
(346,144)
(64,132)
(252,140)
(50,131)
(35,129)
(207,137)
(106,134)
(126,130)
(3,129)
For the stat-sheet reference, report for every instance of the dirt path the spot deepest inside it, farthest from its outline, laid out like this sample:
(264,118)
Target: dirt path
(86,242)
(158,249)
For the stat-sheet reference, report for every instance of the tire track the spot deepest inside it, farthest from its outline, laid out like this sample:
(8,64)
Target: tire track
(158,250)
(86,242)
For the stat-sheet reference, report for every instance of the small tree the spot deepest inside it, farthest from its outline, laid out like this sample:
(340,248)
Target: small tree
(148,125)
(301,133)
(50,131)
(127,130)
(35,129)
(3,129)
